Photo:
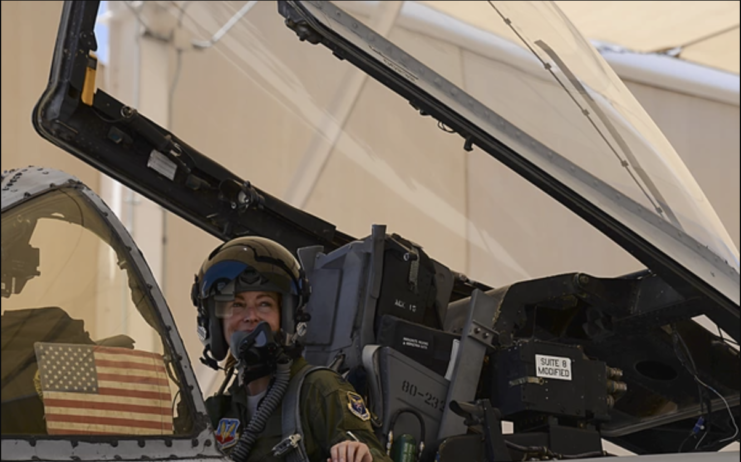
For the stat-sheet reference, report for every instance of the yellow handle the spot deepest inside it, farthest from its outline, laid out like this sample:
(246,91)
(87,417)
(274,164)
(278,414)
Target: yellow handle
(88,87)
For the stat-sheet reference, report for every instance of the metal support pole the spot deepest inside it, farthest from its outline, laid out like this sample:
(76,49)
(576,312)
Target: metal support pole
(475,340)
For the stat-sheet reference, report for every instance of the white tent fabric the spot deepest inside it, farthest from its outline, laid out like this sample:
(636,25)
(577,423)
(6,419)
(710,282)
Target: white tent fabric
(687,46)
(703,32)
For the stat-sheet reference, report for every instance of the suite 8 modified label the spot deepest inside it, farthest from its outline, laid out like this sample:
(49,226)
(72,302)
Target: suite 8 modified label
(553,367)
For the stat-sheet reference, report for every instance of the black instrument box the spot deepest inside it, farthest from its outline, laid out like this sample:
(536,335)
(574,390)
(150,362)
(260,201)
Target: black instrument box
(534,378)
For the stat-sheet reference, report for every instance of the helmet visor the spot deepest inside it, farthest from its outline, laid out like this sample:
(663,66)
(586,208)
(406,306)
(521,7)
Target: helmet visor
(219,275)
(224,279)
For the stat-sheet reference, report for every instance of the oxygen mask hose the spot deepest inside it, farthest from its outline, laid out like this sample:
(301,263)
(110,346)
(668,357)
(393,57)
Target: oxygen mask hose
(267,407)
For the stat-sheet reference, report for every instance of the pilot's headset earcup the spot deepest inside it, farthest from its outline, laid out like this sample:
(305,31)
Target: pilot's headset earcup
(209,327)
(219,347)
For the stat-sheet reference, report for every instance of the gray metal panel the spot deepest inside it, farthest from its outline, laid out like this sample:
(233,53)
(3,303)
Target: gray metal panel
(408,384)
(328,288)
(345,289)
(346,267)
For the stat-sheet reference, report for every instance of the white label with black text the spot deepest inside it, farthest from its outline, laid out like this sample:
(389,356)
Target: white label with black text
(553,367)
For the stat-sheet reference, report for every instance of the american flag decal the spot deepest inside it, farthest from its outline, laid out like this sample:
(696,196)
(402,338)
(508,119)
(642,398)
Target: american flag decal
(95,390)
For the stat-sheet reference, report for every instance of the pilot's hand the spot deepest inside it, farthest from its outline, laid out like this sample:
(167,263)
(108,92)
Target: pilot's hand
(350,451)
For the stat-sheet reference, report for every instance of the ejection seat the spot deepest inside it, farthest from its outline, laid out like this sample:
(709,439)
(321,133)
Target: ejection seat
(379,306)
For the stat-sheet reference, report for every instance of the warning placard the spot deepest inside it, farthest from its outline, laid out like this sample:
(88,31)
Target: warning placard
(553,367)
(415,343)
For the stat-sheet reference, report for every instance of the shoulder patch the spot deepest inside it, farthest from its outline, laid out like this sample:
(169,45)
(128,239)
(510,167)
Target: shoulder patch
(226,433)
(357,406)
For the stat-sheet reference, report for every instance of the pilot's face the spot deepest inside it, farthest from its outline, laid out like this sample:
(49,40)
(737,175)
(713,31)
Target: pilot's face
(250,308)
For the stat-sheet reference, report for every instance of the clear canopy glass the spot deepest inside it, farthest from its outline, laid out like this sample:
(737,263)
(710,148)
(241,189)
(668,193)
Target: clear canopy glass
(523,74)
(322,135)
(82,346)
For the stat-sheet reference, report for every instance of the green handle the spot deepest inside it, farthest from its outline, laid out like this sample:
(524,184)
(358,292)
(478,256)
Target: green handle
(404,449)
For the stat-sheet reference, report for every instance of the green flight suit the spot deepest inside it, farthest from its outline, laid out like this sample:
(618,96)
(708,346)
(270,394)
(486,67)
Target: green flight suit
(325,418)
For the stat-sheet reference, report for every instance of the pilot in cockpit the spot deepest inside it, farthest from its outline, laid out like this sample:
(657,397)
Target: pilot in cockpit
(250,294)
